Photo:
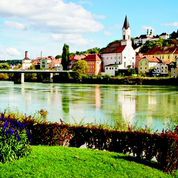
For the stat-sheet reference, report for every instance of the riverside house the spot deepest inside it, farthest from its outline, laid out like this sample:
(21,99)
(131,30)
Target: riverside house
(146,64)
(26,62)
(94,64)
(165,54)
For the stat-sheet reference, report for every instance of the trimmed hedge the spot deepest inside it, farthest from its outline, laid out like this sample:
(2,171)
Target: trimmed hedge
(162,147)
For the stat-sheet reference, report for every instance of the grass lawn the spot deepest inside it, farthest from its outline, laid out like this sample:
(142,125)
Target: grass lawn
(45,161)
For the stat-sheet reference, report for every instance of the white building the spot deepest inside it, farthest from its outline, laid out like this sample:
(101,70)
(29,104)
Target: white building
(149,37)
(161,69)
(26,62)
(45,63)
(119,53)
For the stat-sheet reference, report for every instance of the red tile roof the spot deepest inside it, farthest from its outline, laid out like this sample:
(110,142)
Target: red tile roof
(164,50)
(153,59)
(77,57)
(92,57)
(114,47)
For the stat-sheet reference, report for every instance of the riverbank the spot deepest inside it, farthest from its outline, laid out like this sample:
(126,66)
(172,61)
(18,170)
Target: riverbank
(100,79)
(46,161)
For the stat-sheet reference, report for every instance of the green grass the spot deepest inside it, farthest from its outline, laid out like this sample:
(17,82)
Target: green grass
(45,161)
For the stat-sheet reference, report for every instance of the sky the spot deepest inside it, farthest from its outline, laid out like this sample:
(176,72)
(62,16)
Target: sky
(45,25)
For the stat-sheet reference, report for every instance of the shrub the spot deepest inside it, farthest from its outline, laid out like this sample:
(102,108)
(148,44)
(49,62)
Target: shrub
(162,147)
(13,140)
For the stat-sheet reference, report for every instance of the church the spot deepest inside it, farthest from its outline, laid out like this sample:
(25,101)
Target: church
(119,55)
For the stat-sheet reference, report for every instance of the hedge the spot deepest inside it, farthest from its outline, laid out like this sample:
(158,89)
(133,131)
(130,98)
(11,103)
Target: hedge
(162,147)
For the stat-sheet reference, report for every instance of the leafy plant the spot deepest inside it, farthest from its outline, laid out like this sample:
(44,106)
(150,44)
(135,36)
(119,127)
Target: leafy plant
(13,140)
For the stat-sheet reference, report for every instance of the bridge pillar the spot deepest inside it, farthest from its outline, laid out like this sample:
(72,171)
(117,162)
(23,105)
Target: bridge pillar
(19,78)
(51,77)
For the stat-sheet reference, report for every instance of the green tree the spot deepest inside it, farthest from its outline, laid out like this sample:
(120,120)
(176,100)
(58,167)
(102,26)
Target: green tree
(147,46)
(58,57)
(81,67)
(65,56)
(4,66)
(93,51)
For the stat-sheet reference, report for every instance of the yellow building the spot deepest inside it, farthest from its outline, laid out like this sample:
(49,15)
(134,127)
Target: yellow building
(165,54)
(144,64)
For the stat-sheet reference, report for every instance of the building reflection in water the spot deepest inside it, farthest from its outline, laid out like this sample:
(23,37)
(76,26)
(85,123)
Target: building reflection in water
(98,97)
(128,106)
(142,105)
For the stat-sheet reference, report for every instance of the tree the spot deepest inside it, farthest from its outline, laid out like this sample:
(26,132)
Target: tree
(93,51)
(65,56)
(81,67)
(4,66)
(58,57)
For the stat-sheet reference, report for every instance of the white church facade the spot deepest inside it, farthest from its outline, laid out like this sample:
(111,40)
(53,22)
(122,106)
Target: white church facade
(119,55)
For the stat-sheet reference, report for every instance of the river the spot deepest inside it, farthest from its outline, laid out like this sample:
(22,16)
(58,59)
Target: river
(116,105)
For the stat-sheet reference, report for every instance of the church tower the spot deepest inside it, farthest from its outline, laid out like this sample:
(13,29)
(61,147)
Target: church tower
(126,33)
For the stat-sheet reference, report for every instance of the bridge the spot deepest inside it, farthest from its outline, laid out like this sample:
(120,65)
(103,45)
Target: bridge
(20,74)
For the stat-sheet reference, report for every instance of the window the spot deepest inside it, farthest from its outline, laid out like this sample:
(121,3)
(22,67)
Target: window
(168,57)
(124,64)
(133,64)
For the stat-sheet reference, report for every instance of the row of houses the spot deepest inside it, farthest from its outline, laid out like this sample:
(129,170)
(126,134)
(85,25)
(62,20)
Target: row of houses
(152,65)
(118,56)
(48,62)
(140,40)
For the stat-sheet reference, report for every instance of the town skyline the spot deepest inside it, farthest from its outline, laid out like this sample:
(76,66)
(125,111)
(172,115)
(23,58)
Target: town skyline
(82,24)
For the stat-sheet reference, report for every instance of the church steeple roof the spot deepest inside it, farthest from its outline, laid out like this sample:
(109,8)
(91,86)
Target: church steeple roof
(126,23)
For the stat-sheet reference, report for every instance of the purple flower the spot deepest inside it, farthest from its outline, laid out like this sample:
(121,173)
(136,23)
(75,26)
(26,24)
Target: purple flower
(18,137)
(6,124)
(10,131)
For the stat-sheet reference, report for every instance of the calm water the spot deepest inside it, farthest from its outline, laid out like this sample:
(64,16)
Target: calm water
(154,106)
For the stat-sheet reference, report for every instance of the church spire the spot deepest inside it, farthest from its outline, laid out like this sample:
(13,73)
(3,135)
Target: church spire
(126,23)
(126,33)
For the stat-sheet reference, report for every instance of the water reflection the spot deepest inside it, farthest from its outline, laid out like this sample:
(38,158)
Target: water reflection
(154,106)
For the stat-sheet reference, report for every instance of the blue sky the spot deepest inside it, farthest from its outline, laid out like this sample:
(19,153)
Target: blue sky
(45,25)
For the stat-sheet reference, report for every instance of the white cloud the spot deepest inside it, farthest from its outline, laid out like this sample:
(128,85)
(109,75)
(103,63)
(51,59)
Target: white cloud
(54,15)
(173,24)
(15,25)
(73,39)
(13,52)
